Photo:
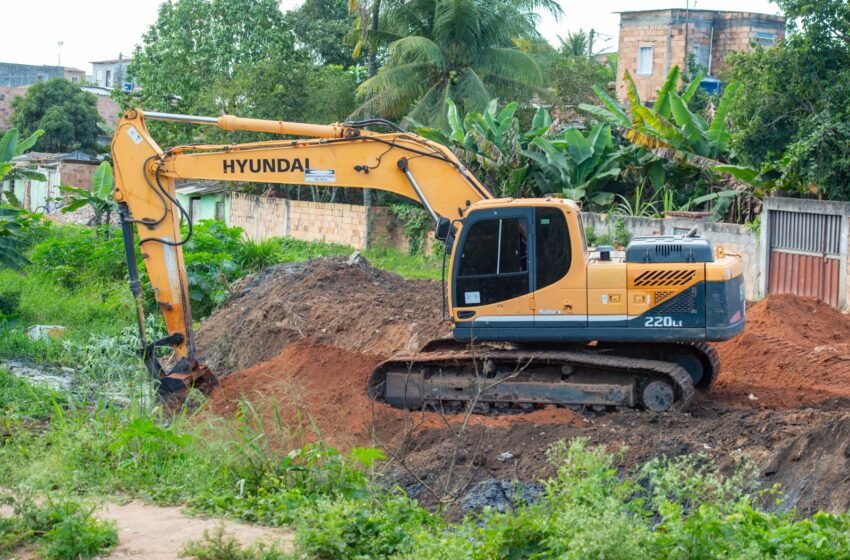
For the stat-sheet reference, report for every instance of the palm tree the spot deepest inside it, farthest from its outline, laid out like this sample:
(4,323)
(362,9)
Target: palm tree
(576,44)
(463,50)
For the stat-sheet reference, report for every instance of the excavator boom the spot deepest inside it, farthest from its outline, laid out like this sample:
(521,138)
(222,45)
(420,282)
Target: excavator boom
(337,155)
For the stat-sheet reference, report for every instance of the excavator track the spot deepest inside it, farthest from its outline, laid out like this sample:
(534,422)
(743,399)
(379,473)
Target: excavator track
(447,375)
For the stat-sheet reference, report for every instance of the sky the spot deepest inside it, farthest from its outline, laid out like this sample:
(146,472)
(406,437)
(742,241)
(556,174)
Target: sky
(101,29)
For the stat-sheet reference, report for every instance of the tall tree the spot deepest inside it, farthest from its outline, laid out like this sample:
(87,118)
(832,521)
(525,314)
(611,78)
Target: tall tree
(463,50)
(792,110)
(194,55)
(323,27)
(67,114)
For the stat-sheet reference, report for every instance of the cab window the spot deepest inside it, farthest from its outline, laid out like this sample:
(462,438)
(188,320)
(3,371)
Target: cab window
(554,253)
(494,262)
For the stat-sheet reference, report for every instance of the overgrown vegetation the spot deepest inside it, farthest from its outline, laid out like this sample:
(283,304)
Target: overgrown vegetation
(57,528)
(669,508)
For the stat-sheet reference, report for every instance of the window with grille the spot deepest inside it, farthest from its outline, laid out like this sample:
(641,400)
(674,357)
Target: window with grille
(644,62)
(766,39)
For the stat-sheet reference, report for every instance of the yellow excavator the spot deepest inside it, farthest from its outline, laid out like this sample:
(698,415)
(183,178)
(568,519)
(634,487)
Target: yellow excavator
(538,318)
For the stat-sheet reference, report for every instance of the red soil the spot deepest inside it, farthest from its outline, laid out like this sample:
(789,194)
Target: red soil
(794,351)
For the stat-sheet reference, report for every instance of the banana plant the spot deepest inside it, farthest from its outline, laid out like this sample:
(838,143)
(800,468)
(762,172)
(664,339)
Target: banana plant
(491,144)
(11,245)
(669,126)
(99,198)
(578,166)
(10,147)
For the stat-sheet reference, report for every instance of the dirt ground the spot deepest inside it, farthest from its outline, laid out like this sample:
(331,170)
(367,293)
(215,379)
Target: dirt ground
(299,341)
(159,533)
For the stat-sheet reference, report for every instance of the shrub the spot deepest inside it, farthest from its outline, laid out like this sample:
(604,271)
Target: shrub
(380,527)
(64,529)
(76,256)
(218,545)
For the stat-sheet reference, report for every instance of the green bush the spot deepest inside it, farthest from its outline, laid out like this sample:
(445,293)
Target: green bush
(63,529)
(76,256)
(220,546)
(382,527)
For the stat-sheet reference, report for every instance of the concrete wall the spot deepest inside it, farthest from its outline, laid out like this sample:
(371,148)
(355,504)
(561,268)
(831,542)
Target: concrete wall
(733,237)
(345,224)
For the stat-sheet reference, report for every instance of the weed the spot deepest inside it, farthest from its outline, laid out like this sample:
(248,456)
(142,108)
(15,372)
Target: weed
(63,529)
(218,545)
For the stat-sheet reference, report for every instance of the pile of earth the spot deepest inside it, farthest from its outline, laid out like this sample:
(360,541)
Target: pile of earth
(794,351)
(354,307)
(298,342)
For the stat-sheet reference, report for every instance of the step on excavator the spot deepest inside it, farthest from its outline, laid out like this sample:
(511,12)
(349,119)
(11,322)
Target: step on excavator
(539,319)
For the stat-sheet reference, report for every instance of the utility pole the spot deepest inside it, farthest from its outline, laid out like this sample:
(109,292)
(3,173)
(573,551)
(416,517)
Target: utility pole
(687,25)
(59,53)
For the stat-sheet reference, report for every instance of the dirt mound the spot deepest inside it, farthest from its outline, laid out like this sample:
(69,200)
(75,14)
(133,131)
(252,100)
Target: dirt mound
(322,390)
(357,308)
(794,351)
(302,339)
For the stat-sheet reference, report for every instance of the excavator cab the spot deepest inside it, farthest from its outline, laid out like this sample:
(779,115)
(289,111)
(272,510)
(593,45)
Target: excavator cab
(522,272)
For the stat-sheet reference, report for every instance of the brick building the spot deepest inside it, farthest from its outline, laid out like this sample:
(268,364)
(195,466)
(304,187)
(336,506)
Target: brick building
(74,169)
(653,41)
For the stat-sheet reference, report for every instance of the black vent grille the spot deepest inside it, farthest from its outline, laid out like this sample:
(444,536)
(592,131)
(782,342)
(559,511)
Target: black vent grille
(685,302)
(664,278)
(666,250)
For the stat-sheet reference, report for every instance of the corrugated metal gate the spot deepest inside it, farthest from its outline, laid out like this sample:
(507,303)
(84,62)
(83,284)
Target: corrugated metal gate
(804,256)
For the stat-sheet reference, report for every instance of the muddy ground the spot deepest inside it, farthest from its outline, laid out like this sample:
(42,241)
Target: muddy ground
(299,340)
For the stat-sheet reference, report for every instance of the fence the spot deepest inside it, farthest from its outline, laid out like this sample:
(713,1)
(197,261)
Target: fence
(347,224)
(801,246)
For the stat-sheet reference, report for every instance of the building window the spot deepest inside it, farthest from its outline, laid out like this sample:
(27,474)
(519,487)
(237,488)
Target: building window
(700,54)
(74,79)
(766,39)
(108,82)
(219,211)
(644,61)
(39,78)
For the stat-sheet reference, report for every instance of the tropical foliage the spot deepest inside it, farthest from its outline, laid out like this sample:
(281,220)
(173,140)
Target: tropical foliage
(544,159)
(11,146)
(669,124)
(463,50)
(11,245)
(99,198)
(11,218)
(791,112)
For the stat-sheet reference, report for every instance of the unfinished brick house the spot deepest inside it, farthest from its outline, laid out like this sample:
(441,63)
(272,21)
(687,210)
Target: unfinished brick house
(653,41)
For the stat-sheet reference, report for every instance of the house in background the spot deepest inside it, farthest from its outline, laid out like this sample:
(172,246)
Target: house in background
(653,41)
(20,75)
(205,200)
(74,169)
(15,79)
(112,74)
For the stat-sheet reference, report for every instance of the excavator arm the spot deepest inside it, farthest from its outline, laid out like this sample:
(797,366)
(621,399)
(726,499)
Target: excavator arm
(338,155)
